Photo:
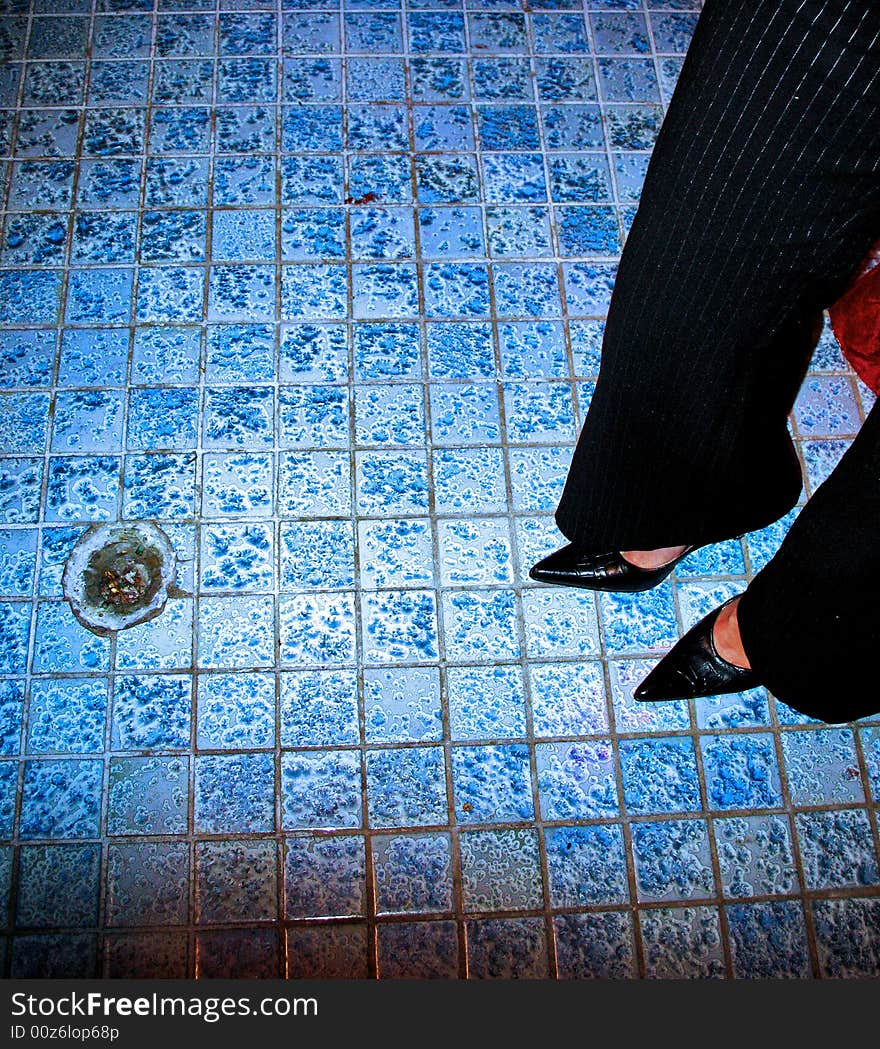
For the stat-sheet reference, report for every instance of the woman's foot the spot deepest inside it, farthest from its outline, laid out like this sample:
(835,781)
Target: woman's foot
(725,636)
(652,559)
(612,571)
(708,661)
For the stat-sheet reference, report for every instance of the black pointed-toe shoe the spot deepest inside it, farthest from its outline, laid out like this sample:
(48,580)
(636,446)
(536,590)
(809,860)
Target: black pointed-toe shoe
(570,567)
(693,668)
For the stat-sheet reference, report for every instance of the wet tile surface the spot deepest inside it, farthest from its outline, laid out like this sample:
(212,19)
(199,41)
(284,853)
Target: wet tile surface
(320,288)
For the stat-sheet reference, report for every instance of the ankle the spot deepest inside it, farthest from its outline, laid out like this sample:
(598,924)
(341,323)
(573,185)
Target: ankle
(651,559)
(726,637)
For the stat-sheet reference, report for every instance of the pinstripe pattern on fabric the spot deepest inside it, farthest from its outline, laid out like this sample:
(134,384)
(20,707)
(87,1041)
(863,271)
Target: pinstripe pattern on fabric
(761,197)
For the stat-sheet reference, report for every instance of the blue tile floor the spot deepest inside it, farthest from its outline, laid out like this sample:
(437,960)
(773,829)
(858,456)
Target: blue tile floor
(319,286)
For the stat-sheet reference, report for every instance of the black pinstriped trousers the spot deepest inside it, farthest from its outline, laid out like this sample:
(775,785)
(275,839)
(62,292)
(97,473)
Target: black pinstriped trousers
(761,198)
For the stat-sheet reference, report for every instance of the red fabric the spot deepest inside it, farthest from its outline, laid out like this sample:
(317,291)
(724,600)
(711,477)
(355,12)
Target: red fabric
(855,321)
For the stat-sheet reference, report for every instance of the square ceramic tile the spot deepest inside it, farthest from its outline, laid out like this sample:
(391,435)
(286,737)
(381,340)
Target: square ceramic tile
(507,948)
(234,793)
(237,557)
(8,790)
(486,702)
(235,711)
(55,956)
(237,954)
(27,357)
(672,860)
(537,477)
(371,79)
(383,233)
(163,419)
(235,632)
(755,855)
(146,956)
(61,644)
(837,849)
(402,705)
(474,551)
(586,865)
(535,537)
(20,492)
(159,486)
(637,624)
(538,413)
(386,351)
(560,624)
(319,708)
(396,551)
(756,955)
(235,881)
(321,790)
(61,799)
(469,480)
(595,946)
(822,767)
(438,78)
(19,561)
(565,78)
(57,885)
(576,780)
(659,775)
(15,619)
(314,233)
(67,715)
(316,555)
(147,883)
(413,872)
(11,710)
(391,483)
(443,128)
(870,743)
(241,292)
(406,787)
(437,32)
(244,180)
(733,710)
(568,699)
(682,943)
(313,353)
(324,877)
(464,414)
(492,784)
(237,484)
(314,484)
(846,937)
(338,952)
(500,870)
(480,625)
(418,950)
(317,629)
(741,771)
(826,407)
(237,353)
(390,416)
(451,233)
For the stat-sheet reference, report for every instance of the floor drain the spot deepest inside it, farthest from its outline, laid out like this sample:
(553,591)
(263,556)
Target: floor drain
(118,575)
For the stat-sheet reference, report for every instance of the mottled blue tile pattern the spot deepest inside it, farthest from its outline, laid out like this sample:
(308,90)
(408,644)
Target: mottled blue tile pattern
(320,287)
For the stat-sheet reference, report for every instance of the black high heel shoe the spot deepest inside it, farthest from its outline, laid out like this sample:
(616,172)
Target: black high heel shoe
(693,668)
(569,567)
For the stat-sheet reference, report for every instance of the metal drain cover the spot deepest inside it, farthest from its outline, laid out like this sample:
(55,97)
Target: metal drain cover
(118,575)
